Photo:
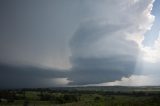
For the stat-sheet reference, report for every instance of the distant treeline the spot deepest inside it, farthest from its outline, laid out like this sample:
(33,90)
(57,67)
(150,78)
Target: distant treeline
(80,96)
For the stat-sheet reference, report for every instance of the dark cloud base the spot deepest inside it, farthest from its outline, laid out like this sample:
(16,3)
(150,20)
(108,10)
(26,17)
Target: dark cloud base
(98,70)
(26,77)
(86,71)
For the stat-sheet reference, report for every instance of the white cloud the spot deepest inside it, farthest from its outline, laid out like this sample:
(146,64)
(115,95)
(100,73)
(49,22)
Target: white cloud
(152,54)
(60,81)
(134,80)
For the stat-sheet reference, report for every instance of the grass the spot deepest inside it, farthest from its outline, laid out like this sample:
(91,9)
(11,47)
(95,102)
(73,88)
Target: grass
(78,98)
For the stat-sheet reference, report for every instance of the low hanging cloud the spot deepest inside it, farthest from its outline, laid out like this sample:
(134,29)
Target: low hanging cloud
(28,76)
(133,80)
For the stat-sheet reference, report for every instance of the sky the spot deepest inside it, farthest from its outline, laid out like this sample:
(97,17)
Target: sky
(49,43)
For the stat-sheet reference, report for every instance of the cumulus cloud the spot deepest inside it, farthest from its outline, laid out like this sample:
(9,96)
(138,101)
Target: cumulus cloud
(152,54)
(107,44)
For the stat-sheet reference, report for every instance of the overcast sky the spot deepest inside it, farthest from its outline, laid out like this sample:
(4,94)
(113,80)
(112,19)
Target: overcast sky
(46,43)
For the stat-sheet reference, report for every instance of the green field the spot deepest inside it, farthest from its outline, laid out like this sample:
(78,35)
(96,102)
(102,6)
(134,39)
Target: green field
(82,96)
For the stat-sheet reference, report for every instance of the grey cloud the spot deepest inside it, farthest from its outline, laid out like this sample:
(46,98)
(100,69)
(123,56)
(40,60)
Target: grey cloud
(27,76)
(99,54)
(40,33)
(100,49)
(96,70)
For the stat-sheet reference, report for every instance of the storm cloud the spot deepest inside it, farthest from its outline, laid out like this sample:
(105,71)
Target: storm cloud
(99,54)
(60,43)
(29,76)
(102,48)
